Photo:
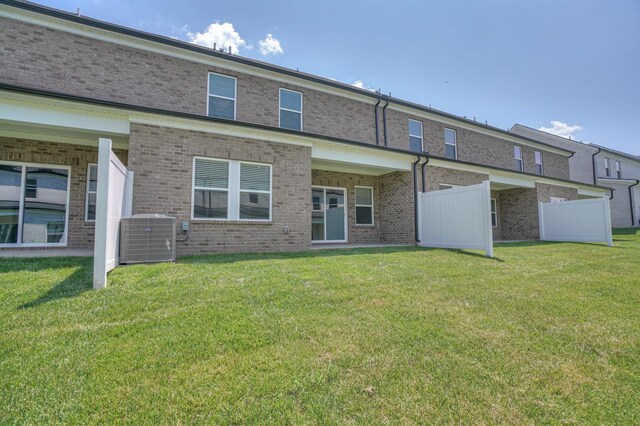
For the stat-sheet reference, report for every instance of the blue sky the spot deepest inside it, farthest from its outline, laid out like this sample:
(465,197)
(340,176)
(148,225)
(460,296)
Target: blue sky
(532,62)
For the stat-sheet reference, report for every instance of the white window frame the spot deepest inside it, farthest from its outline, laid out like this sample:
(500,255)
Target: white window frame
(454,144)
(280,108)
(618,170)
(516,149)
(607,167)
(346,214)
(233,191)
(235,94)
(558,199)
(494,212)
(537,154)
(87,192)
(355,196)
(416,136)
(23,183)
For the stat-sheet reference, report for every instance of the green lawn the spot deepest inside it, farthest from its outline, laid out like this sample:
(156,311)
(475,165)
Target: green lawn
(543,333)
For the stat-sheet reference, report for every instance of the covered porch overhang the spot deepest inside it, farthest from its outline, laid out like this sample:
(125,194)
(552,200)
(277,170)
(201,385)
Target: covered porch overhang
(335,157)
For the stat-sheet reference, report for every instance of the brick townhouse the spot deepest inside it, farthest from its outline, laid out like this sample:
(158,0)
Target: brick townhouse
(251,155)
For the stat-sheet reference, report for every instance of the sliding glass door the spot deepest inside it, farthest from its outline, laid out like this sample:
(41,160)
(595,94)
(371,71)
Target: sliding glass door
(34,203)
(328,216)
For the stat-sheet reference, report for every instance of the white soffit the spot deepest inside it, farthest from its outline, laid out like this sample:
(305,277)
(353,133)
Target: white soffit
(34,110)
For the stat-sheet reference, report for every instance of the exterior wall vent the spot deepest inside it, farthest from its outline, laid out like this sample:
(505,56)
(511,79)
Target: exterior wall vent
(147,238)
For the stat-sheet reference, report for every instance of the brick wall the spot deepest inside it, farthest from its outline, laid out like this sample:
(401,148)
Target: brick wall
(397,213)
(55,60)
(473,146)
(80,233)
(519,214)
(545,192)
(358,234)
(162,159)
(438,175)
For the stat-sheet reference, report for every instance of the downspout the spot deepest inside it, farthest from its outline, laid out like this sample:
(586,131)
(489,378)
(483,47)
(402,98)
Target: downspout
(384,121)
(593,164)
(611,192)
(415,198)
(375,108)
(633,222)
(424,175)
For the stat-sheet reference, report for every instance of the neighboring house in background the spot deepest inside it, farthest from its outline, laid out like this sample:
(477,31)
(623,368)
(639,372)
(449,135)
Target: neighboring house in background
(600,165)
(252,156)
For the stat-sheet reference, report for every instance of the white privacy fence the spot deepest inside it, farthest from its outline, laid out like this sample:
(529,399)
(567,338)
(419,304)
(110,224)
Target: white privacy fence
(576,221)
(458,218)
(113,202)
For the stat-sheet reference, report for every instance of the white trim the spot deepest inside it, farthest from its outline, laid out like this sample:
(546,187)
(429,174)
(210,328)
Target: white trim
(517,150)
(537,154)
(454,144)
(87,192)
(23,179)
(233,191)
(280,108)
(324,212)
(493,202)
(355,196)
(235,93)
(416,136)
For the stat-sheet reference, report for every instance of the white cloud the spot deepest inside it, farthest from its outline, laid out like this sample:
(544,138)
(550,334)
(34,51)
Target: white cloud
(223,35)
(270,46)
(559,128)
(360,84)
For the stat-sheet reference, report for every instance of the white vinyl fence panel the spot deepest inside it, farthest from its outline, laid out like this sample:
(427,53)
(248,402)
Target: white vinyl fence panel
(458,218)
(576,221)
(113,202)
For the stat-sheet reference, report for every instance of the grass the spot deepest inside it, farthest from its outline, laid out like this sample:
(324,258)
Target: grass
(543,333)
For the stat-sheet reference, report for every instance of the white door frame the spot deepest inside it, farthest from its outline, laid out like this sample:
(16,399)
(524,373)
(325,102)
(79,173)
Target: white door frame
(346,214)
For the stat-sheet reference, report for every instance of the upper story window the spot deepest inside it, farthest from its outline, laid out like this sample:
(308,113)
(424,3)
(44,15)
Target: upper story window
(231,190)
(539,168)
(517,155)
(415,136)
(222,96)
(607,167)
(618,170)
(290,109)
(450,143)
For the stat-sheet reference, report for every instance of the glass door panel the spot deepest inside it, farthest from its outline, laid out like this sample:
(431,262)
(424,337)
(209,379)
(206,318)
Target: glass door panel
(328,214)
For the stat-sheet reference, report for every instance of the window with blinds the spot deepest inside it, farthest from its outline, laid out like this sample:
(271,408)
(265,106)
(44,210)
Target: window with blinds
(231,190)
(364,205)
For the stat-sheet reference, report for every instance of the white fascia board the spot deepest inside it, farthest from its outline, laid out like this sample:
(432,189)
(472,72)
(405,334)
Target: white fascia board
(176,52)
(220,129)
(341,153)
(47,112)
(508,179)
(478,129)
(514,178)
(616,181)
(85,140)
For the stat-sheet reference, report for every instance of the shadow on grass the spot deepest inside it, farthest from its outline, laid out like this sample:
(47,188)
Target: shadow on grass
(625,231)
(241,257)
(76,283)
(480,255)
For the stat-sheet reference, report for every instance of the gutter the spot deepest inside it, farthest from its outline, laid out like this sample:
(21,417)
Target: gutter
(633,222)
(593,165)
